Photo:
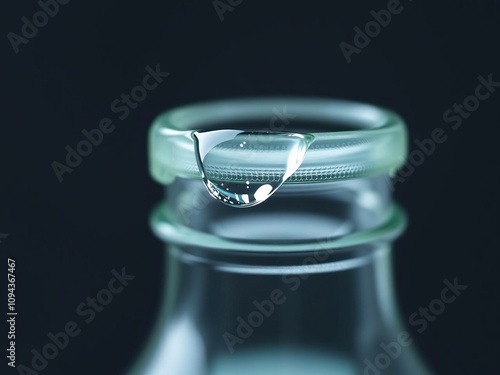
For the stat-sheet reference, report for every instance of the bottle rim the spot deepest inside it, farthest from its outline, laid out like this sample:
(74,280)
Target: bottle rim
(374,143)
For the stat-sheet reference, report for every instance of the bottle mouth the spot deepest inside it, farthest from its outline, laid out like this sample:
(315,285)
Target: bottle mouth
(346,139)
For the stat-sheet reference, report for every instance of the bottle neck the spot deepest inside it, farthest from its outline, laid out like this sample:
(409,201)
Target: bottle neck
(344,298)
(340,302)
(231,292)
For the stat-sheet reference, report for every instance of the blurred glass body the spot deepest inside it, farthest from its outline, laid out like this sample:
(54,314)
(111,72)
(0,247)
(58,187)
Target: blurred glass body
(300,283)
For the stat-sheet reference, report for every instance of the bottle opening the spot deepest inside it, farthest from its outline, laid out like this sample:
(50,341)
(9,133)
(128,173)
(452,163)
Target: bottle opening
(351,140)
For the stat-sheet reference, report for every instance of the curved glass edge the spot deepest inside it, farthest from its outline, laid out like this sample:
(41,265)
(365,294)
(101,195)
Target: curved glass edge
(379,145)
(168,231)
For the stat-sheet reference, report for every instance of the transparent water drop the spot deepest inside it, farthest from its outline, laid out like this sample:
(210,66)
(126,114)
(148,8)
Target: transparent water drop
(229,162)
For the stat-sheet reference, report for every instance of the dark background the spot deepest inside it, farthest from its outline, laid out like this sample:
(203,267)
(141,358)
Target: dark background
(67,237)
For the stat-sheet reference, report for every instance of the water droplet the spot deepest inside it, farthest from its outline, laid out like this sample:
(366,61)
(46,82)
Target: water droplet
(229,160)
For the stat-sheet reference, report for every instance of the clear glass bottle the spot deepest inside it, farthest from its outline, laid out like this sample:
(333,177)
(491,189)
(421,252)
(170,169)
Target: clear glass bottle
(299,283)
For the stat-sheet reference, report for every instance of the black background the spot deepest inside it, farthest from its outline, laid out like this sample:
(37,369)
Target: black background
(67,237)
